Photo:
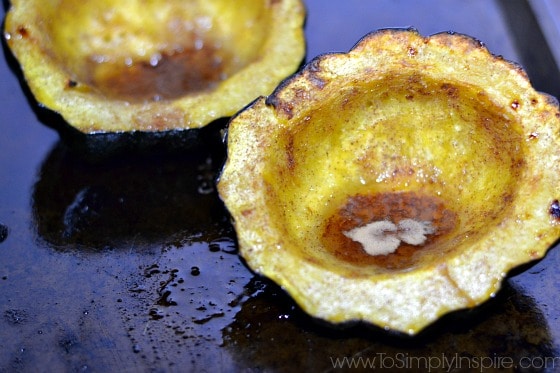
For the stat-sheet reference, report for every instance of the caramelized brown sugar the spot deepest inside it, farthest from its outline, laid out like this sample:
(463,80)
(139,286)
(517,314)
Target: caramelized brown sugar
(401,147)
(138,50)
(167,76)
(362,210)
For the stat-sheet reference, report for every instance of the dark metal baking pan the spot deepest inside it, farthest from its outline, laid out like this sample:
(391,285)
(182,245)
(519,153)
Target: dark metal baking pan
(129,262)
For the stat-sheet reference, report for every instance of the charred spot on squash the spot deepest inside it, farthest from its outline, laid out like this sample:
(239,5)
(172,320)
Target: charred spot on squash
(71,83)
(23,32)
(555,210)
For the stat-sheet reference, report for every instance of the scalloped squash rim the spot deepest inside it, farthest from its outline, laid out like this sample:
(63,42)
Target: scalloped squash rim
(402,300)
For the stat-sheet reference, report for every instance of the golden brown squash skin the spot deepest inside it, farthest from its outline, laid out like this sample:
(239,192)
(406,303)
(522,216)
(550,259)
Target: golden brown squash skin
(115,66)
(430,151)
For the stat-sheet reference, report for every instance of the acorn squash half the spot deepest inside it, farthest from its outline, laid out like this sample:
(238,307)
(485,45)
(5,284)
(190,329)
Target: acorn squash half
(397,182)
(113,66)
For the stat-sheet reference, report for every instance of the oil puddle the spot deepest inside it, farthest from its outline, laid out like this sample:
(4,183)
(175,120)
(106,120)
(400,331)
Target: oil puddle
(184,300)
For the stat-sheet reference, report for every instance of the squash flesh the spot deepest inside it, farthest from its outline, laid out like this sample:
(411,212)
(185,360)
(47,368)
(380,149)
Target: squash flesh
(138,51)
(394,140)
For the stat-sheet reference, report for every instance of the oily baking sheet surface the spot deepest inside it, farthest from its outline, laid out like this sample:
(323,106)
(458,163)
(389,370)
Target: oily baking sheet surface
(129,262)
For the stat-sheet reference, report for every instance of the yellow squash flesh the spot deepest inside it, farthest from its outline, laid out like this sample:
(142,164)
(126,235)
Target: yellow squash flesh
(438,152)
(113,66)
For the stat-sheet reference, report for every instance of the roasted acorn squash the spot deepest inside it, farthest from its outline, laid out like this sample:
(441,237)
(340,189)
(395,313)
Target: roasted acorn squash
(397,182)
(110,66)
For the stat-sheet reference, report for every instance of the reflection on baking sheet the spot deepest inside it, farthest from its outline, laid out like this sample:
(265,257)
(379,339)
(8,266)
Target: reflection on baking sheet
(270,330)
(128,201)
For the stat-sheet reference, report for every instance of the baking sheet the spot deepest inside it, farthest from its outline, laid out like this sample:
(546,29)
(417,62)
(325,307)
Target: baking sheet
(129,263)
